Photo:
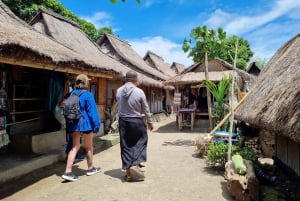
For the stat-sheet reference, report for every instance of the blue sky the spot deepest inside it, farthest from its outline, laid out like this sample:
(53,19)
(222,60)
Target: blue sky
(161,25)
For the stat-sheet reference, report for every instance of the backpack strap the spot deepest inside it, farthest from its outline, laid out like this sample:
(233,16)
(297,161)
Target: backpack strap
(80,93)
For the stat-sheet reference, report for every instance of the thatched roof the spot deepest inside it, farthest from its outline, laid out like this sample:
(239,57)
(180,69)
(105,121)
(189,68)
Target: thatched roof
(20,44)
(253,69)
(177,67)
(70,35)
(123,51)
(274,101)
(158,63)
(217,68)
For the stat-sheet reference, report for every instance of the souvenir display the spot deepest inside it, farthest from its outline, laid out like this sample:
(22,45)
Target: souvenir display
(4,138)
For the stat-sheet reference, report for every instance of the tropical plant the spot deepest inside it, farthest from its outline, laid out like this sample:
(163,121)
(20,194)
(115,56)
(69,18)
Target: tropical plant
(220,93)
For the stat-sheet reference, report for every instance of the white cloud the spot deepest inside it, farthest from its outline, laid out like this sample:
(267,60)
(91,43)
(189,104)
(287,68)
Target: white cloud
(238,24)
(266,29)
(165,48)
(99,19)
(149,3)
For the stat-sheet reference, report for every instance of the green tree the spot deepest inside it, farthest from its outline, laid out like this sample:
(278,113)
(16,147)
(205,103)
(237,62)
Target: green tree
(205,41)
(261,63)
(228,51)
(103,30)
(207,45)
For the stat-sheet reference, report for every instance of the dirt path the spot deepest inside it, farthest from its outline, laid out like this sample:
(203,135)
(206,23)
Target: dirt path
(173,173)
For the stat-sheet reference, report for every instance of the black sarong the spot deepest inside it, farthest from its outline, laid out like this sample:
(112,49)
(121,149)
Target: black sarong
(133,141)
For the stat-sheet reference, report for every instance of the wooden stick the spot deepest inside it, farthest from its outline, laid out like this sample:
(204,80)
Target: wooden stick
(228,115)
(19,122)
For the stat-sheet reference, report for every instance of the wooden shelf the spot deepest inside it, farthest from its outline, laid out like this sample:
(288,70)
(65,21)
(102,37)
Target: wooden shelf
(27,112)
(27,99)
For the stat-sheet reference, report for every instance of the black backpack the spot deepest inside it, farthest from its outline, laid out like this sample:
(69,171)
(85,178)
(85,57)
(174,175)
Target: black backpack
(71,108)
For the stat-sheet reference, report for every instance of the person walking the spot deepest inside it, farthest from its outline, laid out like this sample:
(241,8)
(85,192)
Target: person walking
(132,106)
(86,126)
(69,140)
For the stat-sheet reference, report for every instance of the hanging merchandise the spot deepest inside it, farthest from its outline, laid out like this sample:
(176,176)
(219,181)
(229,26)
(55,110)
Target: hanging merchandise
(4,138)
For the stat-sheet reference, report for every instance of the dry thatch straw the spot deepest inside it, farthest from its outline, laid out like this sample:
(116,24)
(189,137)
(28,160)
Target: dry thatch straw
(21,44)
(158,63)
(125,53)
(274,102)
(70,35)
(217,68)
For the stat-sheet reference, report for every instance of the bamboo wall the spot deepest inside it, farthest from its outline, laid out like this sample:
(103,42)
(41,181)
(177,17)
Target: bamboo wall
(288,152)
(102,96)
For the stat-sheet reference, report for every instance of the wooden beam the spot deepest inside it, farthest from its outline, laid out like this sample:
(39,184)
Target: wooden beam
(51,66)
(19,122)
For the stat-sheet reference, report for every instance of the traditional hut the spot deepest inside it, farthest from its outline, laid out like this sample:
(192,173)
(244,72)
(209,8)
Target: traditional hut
(177,67)
(273,104)
(195,75)
(124,53)
(69,34)
(158,63)
(187,84)
(32,83)
(253,69)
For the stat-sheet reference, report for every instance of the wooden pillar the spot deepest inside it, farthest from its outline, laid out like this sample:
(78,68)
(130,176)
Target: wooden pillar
(102,96)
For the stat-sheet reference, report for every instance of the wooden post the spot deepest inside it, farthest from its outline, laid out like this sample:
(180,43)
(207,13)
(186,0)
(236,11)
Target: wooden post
(208,93)
(229,114)
(231,105)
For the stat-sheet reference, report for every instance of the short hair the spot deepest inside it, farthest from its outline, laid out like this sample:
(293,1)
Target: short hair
(131,75)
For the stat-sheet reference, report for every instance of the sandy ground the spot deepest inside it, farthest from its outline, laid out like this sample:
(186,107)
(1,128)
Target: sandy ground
(173,173)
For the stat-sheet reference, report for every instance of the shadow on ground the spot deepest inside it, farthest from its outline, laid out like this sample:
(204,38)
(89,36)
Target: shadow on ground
(24,181)
(179,142)
(17,184)
(172,127)
(116,173)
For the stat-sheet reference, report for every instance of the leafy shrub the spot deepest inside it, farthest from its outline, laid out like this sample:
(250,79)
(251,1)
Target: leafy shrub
(249,154)
(217,153)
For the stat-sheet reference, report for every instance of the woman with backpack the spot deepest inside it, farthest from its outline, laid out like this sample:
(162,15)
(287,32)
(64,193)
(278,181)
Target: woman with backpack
(86,126)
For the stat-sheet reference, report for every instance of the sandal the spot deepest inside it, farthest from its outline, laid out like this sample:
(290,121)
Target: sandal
(135,171)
